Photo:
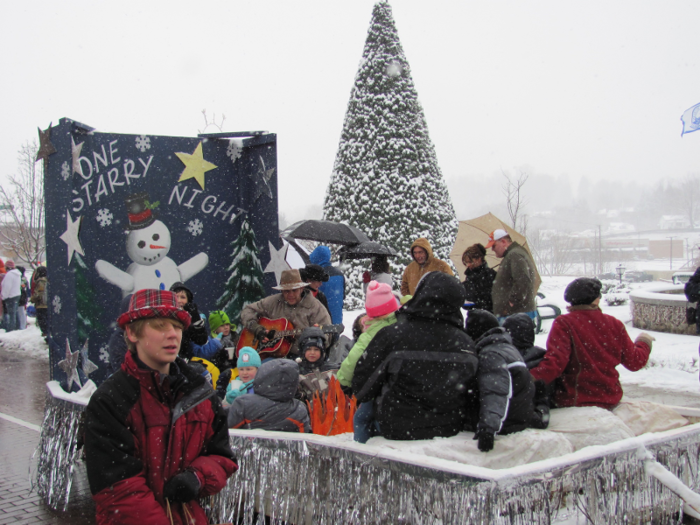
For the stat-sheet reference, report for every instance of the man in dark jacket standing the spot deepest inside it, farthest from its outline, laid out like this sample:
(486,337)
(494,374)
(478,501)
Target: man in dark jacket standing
(421,371)
(156,438)
(514,287)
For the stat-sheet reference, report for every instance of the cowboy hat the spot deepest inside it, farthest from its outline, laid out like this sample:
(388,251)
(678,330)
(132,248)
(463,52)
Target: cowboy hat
(290,280)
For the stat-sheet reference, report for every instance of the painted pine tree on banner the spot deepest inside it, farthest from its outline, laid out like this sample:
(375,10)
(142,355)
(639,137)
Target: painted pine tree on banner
(245,282)
(88,313)
(386,180)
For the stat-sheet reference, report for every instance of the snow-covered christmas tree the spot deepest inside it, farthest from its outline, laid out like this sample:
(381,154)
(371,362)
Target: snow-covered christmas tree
(386,180)
(245,282)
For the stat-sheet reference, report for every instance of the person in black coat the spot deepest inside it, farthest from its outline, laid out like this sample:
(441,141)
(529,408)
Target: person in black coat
(478,277)
(421,371)
(315,275)
(506,388)
(692,294)
(197,331)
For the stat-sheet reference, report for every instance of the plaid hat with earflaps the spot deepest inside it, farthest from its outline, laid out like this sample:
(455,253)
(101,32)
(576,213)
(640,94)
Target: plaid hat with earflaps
(152,304)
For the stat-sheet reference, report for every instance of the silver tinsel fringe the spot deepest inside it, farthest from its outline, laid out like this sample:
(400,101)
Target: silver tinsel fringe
(57,451)
(303,483)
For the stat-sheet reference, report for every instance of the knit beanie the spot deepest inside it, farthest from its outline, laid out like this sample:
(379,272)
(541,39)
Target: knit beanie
(180,287)
(380,300)
(583,290)
(311,336)
(9,264)
(521,330)
(248,357)
(479,322)
(217,318)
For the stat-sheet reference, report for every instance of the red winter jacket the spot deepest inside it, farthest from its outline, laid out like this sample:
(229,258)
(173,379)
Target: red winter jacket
(140,433)
(583,349)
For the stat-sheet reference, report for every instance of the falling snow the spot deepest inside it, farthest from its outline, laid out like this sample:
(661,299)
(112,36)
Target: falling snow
(56,304)
(195,227)
(104,217)
(143,143)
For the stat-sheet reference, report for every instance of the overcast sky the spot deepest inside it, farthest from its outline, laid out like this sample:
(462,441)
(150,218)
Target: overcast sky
(588,88)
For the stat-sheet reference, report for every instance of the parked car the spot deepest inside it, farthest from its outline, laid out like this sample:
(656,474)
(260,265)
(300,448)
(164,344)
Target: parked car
(682,277)
(634,276)
(608,276)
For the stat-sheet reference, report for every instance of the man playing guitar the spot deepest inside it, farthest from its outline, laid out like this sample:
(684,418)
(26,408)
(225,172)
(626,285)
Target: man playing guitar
(295,303)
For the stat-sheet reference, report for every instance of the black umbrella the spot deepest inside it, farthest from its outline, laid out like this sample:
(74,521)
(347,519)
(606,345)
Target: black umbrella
(365,250)
(326,232)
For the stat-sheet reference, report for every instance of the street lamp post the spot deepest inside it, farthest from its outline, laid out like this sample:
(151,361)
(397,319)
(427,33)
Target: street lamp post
(620,271)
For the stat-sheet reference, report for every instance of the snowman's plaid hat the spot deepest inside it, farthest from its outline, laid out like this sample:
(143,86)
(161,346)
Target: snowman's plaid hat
(152,304)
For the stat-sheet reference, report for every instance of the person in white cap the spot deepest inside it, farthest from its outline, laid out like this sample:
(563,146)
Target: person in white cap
(513,289)
(295,303)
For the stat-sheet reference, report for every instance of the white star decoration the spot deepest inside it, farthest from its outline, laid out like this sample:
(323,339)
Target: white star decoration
(75,151)
(277,263)
(70,236)
(70,366)
(88,366)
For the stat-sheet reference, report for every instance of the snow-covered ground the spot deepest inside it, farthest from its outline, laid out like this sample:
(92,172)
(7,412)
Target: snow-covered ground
(26,342)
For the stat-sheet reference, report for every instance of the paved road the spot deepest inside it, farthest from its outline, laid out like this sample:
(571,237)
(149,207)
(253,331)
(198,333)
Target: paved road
(22,394)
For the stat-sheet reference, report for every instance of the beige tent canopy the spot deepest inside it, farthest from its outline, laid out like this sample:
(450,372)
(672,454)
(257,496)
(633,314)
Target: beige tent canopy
(477,231)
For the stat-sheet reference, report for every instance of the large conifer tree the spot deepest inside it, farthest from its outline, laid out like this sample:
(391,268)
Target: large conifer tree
(386,180)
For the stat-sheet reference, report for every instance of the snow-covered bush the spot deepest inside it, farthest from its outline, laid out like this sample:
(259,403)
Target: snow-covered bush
(617,295)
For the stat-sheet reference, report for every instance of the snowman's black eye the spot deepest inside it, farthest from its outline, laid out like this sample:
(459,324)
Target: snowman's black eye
(156,236)
(141,244)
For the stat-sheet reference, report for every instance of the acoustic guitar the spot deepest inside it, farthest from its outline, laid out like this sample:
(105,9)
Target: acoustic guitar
(280,335)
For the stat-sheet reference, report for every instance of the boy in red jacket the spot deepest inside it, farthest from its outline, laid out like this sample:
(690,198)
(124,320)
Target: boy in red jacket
(583,349)
(156,437)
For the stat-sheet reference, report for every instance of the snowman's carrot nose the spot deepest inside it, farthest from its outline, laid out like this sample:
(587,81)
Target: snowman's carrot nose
(156,247)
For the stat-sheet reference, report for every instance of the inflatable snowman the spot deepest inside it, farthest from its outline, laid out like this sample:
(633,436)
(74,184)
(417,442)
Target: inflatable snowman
(147,244)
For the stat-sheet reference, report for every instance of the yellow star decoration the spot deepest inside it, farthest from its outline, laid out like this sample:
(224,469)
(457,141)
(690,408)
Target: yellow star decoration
(195,165)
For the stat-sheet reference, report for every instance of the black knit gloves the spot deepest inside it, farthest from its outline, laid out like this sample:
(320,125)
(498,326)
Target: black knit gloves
(182,488)
(486,439)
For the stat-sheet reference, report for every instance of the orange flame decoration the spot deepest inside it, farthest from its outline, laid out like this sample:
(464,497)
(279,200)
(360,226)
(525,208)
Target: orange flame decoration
(333,413)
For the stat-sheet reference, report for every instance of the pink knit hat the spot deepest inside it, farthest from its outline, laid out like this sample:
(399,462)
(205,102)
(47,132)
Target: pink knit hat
(380,300)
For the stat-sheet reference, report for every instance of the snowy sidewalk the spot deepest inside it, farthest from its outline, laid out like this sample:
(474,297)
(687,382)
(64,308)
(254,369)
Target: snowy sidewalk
(22,394)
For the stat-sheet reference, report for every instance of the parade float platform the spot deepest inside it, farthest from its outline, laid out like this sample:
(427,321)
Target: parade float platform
(307,478)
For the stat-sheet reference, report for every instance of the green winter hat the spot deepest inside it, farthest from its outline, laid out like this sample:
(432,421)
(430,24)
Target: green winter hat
(218,318)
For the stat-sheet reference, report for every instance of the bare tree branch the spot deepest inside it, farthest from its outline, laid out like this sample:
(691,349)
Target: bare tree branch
(23,200)
(513,191)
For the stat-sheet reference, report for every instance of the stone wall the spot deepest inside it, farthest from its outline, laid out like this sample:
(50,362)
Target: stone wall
(661,309)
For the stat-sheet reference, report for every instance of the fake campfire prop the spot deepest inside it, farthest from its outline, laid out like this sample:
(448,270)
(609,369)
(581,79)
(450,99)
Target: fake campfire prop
(333,413)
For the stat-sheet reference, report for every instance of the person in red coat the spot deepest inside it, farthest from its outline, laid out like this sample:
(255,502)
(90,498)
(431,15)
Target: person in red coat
(583,349)
(156,438)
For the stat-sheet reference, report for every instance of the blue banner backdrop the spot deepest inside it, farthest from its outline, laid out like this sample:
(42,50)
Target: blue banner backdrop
(125,212)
